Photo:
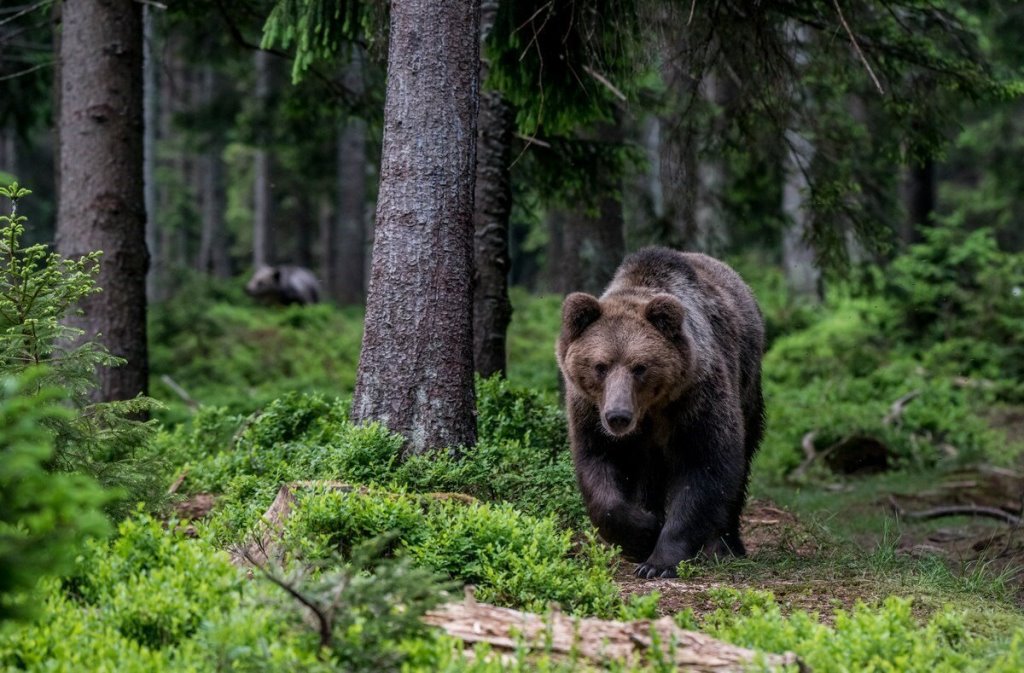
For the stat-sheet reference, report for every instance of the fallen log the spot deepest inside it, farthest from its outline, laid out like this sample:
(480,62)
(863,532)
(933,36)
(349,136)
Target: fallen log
(956,510)
(598,640)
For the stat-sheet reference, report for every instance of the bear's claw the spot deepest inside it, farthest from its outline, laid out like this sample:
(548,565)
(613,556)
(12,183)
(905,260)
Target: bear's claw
(649,571)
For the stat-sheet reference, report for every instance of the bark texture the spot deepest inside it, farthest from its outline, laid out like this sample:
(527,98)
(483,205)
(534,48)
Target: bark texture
(101,189)
(416,368)
(347,272)
(492,310)
(598,641)
(150,93)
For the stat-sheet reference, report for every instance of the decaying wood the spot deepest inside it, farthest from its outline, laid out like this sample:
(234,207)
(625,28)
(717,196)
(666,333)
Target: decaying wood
(180,392)
(265,544)
(956,510)
(260,549)
(810,455)
(596,640)
(854,454)
(897,407)
(173,488)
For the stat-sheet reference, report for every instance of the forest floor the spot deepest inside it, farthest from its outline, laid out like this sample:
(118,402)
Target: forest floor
(821,548)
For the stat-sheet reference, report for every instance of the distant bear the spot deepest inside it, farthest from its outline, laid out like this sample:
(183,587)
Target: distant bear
(284,285)
(663,395)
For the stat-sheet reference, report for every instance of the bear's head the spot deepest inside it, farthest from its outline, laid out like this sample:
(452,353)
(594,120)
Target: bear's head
(626,355)
(265,281)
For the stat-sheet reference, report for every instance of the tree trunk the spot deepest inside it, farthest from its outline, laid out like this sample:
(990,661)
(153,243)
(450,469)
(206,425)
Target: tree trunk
(416,368)
(305,224)
(594,245)
(348,271)
(555,279)
(56,30)
(919,196)
(213,245)
(710,236)
(492,310)
(150,93)
(798,258)
(326,232)
(101,203)
(262,253)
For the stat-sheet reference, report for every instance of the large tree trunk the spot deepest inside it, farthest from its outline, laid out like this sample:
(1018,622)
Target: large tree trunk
(149,128)
(262,195)
(347,282)
(101,190)
(416,368)
(492,310)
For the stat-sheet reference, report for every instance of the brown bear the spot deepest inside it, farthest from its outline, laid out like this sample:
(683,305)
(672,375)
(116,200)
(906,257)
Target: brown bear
(663,396)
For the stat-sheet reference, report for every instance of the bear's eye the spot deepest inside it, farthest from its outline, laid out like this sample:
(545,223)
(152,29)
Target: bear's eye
(601,369)
(638,370)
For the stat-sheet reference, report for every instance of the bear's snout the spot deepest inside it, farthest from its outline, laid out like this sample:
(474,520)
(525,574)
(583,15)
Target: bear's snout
(618,420)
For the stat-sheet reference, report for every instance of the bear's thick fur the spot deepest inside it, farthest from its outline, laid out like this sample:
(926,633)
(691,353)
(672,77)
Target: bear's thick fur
(663,395)
(284,285)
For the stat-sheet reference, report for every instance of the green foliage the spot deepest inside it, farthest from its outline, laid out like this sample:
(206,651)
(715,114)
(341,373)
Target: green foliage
(317,29)
(154,600)
(887,637)
(514,559)
(39,290)
(531,340)
(961,297)
(44,517)
(521,456)
(226,351)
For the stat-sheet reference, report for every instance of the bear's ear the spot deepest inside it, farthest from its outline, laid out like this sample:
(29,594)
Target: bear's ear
(579,311)
(277,274)
(665,312)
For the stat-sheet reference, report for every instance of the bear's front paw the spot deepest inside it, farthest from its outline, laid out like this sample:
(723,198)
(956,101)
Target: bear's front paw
(649,571)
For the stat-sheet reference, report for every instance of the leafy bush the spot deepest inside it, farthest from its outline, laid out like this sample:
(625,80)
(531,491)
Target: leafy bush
(960,293)
(887,637)
(44,517)
(514,559)
(38,290)
(521,456)
(531,340)
(153,600)
(226,351)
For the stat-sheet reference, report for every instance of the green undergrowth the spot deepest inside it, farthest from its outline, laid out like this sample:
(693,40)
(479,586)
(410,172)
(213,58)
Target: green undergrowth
(154,599)
(224,350)
(883,637)
(521,456)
